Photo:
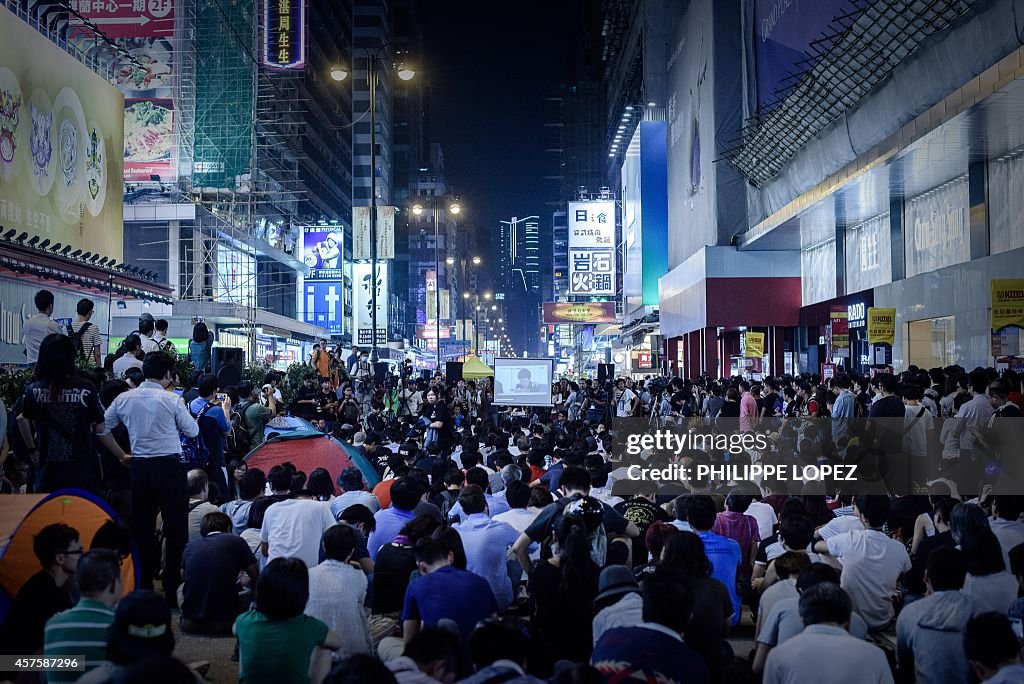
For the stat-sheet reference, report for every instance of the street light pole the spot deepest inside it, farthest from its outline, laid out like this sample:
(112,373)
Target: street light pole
(374,357)
(437,286)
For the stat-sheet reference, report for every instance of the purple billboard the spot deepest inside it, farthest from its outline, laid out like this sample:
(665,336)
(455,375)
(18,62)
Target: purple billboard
(783,33)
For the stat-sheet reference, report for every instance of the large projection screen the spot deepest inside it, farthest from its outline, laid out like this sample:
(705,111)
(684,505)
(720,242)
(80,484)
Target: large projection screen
(523,382)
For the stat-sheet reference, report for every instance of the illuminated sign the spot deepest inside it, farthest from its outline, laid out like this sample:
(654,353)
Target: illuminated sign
(588,312)
(591,248)
(284,43)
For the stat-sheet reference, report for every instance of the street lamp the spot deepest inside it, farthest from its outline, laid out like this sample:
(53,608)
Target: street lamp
(339,73)
(453,208)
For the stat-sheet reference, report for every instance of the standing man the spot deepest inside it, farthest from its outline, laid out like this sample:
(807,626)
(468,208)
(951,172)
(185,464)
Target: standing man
(155,419)
(147,329)
(748,408)
(351,359)
(626,401)
(214,425)
(36,328)
(842,408)
(84,333)
(160,337)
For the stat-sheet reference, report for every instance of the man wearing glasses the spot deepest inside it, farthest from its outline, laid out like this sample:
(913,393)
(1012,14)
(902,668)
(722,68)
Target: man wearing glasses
(45,593)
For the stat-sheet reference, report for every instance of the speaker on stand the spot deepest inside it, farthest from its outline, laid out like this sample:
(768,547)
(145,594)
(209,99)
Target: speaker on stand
(227,363)
(605,372)
(453,371)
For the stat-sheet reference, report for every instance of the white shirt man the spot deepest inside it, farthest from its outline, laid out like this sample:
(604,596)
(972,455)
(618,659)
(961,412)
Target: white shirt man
(765,517)
(293,529)
(35,330)
(126,361)
(872,565)
(626,403)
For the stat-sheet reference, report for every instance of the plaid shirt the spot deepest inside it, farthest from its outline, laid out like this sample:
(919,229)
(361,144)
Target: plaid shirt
(742,528)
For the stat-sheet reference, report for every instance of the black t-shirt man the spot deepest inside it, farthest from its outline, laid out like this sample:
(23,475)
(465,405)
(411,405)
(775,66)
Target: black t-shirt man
(304,405)
(212,564)
(67,453)
(37,601)
(642,513)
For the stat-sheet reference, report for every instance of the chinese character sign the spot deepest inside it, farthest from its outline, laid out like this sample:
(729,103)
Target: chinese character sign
(592,248)
(592,224)
(1007,303)
(386,232)
(362,302)
(284,44)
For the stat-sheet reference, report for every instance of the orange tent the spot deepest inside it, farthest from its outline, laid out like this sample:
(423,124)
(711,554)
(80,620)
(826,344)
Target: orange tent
(22,516)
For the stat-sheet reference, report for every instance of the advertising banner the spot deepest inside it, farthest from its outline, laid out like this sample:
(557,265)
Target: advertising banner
(754,347)
(321,251)
(362,303)
(361,233)
(61,144)
(1007,303)
(840,328)
(591,248)
(881,326)
(144,29)
(783,33)
(583,312)
(284,37)
(323,305)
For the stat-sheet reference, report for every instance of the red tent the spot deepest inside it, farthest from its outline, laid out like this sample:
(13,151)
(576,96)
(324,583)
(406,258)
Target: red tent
(307,452)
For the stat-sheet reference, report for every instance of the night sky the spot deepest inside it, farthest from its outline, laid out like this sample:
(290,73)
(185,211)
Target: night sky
(490,65)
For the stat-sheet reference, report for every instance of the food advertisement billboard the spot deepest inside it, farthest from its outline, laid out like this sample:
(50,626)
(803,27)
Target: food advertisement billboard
(144,71)
(61,144)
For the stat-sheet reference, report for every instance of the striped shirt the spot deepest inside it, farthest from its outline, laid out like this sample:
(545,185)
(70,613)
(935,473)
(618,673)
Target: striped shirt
(80,631)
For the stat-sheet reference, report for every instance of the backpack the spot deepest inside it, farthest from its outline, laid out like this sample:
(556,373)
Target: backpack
(194,452)
(165,345)
(350,413)
(239,441)
(78,338)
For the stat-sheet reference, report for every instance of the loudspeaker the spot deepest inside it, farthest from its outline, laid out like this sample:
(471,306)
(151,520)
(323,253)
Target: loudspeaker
(227,363)
(453,371)
(380,372)
(605,372)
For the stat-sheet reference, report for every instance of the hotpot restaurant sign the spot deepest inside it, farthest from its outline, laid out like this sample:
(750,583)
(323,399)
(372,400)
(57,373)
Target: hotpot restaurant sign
(1007,303)
(881,326)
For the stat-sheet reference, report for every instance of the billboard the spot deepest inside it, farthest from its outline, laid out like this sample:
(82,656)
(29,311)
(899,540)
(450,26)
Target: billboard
(591,248)
(783,33)
(362,303)
(61,144)
(284,34)
(584,312)
(645,214)
(321,251)
(322,305)
(144,29)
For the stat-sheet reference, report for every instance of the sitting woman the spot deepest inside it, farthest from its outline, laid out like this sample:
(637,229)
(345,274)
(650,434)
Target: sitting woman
(277,642)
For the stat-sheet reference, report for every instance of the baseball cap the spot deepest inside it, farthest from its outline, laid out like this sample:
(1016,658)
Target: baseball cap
(141,628)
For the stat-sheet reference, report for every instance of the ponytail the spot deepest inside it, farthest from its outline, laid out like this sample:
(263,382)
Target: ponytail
(578,569)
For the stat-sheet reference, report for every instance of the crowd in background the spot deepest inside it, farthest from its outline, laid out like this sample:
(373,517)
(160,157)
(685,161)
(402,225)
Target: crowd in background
(508,545)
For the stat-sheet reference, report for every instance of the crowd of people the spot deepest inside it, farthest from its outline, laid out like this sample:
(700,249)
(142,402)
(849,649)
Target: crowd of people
(510,546)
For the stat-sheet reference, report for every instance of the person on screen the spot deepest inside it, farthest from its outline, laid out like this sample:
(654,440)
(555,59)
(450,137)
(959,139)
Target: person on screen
(526,383)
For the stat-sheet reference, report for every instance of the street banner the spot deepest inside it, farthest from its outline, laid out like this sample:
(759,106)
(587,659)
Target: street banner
(754,345)
(386,232)
(840,327)
(361,234)
(881,326)
(1007,303)
(582,312)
